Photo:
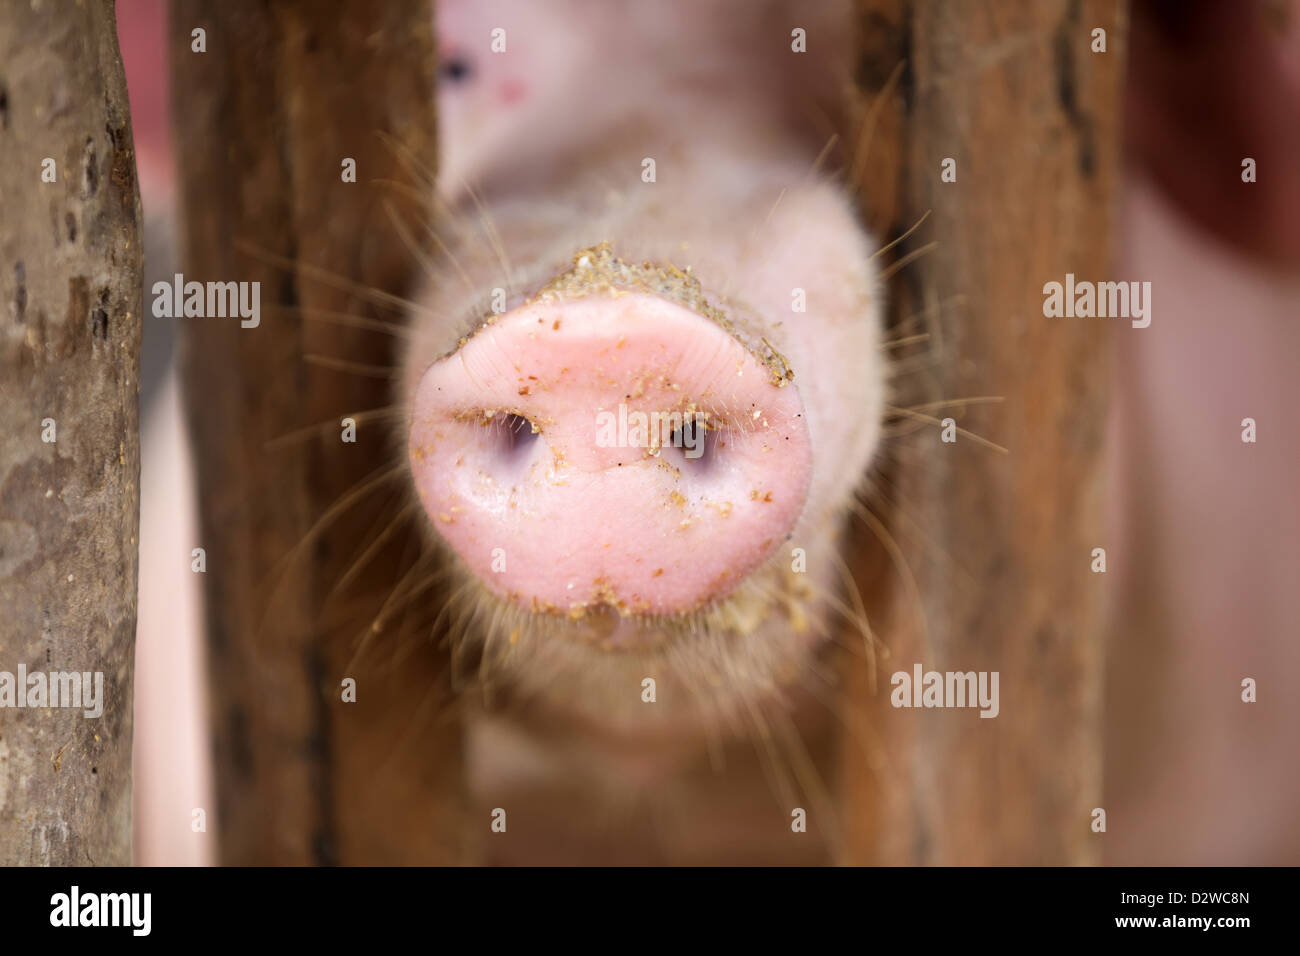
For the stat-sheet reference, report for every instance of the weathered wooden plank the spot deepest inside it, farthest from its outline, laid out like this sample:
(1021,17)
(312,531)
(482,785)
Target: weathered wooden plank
(70,288)
(1014,94)
(284,94)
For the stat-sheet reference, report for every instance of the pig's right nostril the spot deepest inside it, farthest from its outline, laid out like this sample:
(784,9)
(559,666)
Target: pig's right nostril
(697,445)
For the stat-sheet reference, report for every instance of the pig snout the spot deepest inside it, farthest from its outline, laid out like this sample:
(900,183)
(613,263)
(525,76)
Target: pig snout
(610,448)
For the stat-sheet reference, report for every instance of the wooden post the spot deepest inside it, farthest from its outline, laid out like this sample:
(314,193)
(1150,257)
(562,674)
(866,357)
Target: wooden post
(267,118)
(70,307)
(998,546)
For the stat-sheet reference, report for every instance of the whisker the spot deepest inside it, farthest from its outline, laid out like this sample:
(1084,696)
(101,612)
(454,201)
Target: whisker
(770,213)
(392,602)
(907,412)
(891,546)
(896,501)
(908,259)
(350,319)
(901,325)
(858,614)
(372,549)
(905,340)
(387,411)
(960,402)
(867,132)
(490,228)
(778,780)
(411,192)
(915,226)
(455,263)
(857,724)
(352,368)
(404,155)
(833,139)
(423,712)
(326,277)
(356,322)
(414,248)
(809,778)
(345,501)
(432,580)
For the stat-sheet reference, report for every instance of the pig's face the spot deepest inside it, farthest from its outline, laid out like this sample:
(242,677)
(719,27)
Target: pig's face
(644,382)
(506,73)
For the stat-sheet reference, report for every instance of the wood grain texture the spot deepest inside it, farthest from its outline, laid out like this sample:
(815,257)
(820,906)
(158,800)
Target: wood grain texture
(70,308)
(999,546)
(286,91)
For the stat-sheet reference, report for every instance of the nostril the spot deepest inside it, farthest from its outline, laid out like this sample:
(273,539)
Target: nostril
(507,442)
(696,444)
(516,437)
(518,430)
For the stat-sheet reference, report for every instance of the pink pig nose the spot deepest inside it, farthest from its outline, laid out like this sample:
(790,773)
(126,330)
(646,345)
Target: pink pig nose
(546,454)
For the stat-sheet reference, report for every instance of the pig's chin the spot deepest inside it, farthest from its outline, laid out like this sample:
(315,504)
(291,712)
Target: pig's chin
(755,642)
(769,594)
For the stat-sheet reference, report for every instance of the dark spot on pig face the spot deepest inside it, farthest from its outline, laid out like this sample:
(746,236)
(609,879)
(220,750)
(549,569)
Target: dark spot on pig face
(4,107)
(730,300)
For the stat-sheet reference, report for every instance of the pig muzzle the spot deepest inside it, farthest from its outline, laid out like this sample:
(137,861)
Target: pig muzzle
(610,448)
